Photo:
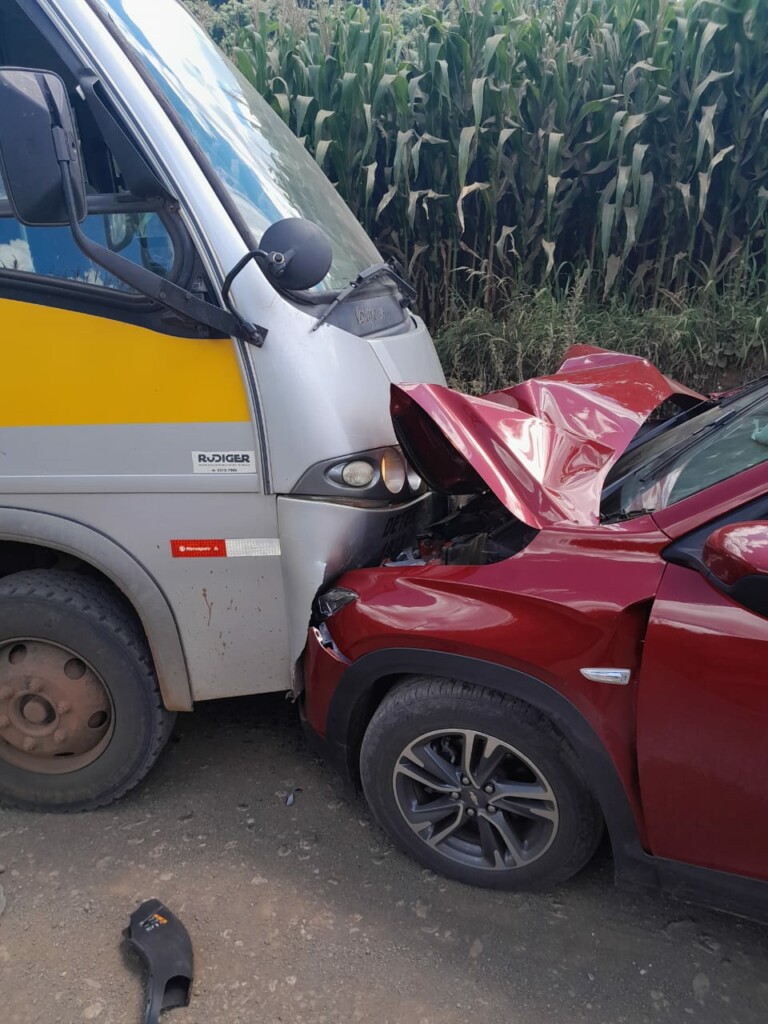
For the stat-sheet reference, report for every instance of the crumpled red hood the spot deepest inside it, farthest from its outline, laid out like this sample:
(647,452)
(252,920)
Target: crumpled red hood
(544,447)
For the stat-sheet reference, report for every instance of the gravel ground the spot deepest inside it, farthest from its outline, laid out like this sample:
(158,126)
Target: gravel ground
(304,913)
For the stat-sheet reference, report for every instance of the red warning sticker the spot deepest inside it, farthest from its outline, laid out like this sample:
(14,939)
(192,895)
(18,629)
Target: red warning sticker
(199,548)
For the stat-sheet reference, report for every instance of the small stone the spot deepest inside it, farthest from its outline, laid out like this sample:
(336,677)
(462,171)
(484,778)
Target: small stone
(3,900)
(93,1011)
(2,869)
(700,985)
(476,949)
(707,943)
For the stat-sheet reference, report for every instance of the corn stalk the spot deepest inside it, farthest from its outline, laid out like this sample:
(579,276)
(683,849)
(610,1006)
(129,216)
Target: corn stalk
(500,144)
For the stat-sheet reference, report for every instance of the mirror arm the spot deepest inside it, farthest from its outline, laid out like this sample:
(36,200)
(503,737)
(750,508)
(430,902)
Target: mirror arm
(165,292)
(275,263)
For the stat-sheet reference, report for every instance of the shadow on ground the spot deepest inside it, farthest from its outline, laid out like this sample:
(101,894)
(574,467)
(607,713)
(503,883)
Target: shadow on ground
(305,913)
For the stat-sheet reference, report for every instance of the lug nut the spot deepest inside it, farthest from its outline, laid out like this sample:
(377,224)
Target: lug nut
(4,721)
(464,780)
(59,736)
(455,795)
(28,744)
(471,812)
(489,788)
(63,707)
(34,686)
(491,809)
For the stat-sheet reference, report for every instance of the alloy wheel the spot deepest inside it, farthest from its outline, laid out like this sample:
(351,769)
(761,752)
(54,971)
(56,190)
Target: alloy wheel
(475,799)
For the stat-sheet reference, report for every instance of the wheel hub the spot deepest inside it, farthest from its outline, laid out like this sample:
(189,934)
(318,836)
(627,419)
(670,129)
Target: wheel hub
(55,712)
(476,798)
(37,710)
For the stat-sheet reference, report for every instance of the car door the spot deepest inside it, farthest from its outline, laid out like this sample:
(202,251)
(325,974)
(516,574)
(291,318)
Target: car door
(702,712)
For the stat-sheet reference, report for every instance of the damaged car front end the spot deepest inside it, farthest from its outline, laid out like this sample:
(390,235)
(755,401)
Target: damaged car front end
(483,685)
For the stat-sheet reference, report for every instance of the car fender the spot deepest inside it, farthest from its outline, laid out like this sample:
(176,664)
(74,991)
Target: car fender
(364,683)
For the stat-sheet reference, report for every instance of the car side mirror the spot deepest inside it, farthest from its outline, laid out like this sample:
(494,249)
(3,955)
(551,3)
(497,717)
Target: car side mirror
(737,559)
(37,133)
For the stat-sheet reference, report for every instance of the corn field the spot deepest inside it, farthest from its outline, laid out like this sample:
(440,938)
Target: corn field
(495,145)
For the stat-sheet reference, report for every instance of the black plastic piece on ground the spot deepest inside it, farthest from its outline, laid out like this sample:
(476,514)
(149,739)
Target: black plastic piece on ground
(162,942)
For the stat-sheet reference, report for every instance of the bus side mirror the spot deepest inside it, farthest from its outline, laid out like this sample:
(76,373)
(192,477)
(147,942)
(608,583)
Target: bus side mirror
(737,559)
(37,140)
(298,253)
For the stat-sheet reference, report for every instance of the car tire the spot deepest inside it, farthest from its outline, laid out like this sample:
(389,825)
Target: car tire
(438,754)
(81,716)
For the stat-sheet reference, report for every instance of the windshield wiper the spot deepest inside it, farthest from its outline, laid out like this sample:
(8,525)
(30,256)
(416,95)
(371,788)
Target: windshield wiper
(653,468)
(663,459)
(373,273)
(661,428)
(623,517)
(695,410)
(748,388)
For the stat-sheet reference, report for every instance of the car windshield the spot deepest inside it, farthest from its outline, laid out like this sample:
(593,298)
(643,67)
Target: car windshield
(717,444)
(264,167)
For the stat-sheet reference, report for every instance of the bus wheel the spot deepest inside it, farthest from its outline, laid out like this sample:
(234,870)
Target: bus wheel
(81,716)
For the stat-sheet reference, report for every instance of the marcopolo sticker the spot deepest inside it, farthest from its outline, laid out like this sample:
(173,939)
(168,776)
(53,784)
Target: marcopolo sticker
(224,462)
(237,547)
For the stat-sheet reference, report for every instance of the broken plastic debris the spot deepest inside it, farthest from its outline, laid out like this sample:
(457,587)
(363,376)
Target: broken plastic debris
(290,800)
(162,942)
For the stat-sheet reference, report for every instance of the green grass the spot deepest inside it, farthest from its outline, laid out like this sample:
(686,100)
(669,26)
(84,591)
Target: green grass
(711,343)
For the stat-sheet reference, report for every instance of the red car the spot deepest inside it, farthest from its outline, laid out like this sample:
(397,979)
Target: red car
(583,642)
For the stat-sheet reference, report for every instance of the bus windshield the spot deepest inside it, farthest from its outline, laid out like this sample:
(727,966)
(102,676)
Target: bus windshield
(267,171)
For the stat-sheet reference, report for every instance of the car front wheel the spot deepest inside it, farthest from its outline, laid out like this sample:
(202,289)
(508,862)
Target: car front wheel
(478,786)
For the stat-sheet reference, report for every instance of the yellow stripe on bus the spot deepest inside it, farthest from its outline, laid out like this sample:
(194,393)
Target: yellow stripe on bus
(61,368)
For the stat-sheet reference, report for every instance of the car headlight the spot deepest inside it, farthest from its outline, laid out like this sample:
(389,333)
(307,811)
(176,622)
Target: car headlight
(393,471)
(334,600)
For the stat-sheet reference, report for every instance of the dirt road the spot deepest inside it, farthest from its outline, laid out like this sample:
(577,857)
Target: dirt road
(304,913)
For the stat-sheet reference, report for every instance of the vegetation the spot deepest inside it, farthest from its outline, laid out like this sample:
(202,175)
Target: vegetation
(709,344)
(603,156)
